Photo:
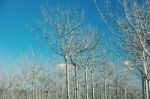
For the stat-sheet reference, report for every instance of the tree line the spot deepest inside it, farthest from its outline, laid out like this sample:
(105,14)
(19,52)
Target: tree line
(87,69)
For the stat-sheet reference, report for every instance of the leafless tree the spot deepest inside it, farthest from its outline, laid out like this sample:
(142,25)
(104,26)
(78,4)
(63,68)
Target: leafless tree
(132,28)
(59,26)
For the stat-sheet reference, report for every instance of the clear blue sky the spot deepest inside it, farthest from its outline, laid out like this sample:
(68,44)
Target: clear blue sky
(15,38)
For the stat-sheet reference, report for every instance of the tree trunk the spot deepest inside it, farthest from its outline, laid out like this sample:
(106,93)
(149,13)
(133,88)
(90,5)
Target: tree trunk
(96,92)
(76,83)
(56,93)
(11,93)
(33,92)
(120,93)
(145,76)
(109,91)
(101,96)
(36,91)
(92,83)
(116,90)
(49,96)
(61,87)
(78,90)
(105,96)
(86,85)
(125,94)
(67,78)
(143,88)
(146,89)
(74,92)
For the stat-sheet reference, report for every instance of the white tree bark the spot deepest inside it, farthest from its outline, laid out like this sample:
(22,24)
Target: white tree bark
(92,84)
(76,83)
(86,84)
(67,78)
(145,77)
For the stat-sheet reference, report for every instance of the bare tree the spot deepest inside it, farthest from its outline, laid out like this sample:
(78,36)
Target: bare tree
(59,25)
(85,40)
(63,31)
(132,29)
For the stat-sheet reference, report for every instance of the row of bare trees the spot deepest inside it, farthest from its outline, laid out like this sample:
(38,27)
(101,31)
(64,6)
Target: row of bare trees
(87,69)
(101,80)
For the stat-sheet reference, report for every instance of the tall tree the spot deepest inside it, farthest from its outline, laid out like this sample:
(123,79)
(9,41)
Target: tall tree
(58,27)
(131,26)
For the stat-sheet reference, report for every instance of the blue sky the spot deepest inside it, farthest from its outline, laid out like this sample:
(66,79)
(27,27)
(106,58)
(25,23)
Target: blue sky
(15,38)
